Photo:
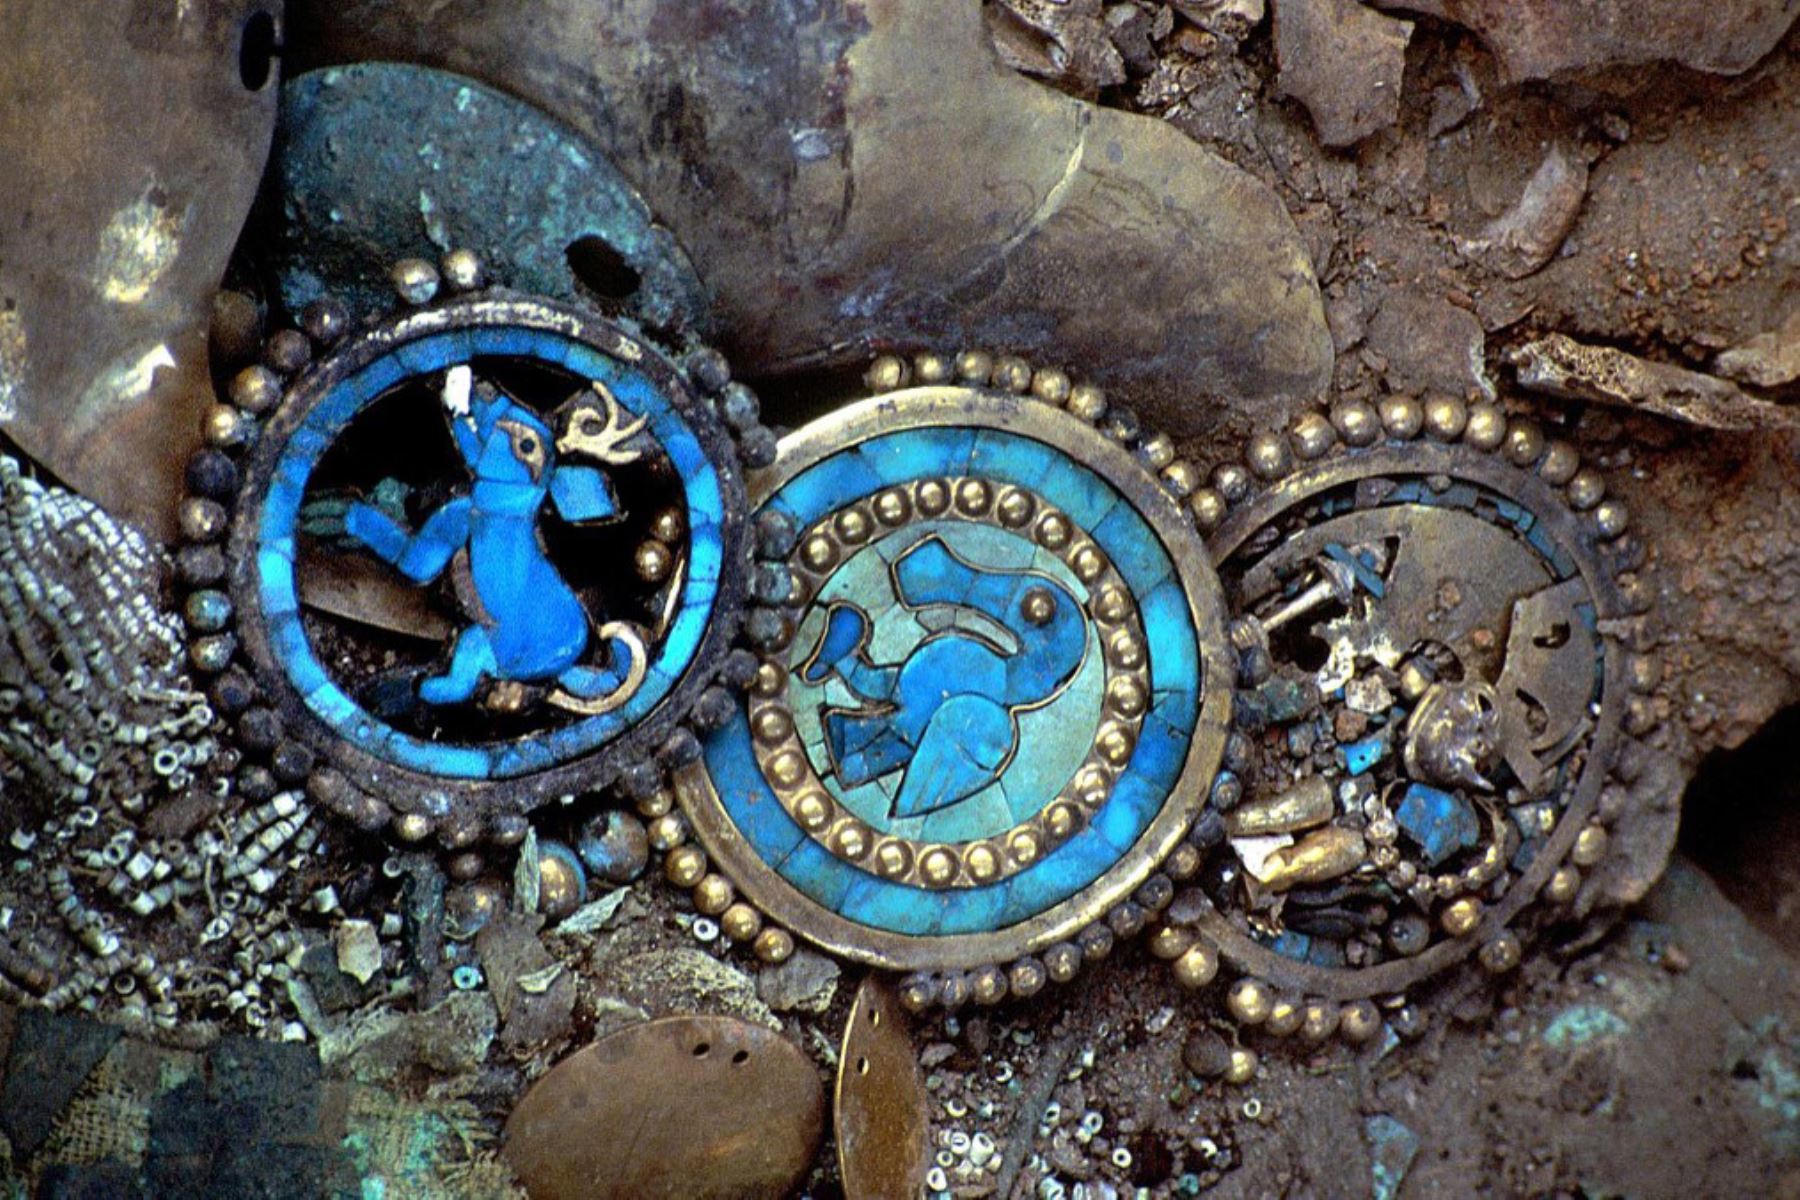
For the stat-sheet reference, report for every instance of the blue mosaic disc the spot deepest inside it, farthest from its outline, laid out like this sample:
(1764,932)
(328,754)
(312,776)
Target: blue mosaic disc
(1000,700)
(427,557)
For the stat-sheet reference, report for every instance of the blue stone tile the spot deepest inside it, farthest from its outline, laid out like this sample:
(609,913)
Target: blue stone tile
(1059,875)
(1359,756)
(1169,630)
(1085,496)
(1134,549)
(1439,822)
(1133,804)
(812,869)
(917,454)
(974,910)
(883,905)
(1160,753)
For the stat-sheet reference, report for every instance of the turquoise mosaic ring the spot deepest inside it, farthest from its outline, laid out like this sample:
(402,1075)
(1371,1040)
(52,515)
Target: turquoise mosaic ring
(1000,694)
(485,552)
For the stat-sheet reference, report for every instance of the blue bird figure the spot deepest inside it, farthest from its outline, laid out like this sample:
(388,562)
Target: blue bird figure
(528,625)
(948,714)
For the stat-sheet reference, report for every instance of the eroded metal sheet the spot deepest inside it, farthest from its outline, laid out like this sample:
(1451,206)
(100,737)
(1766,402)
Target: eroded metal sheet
(132,138)
(883,1122)
(691,1107)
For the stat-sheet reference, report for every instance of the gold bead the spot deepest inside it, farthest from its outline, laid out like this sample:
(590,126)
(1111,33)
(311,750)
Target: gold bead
(933,497)
(666,832)
(1232,480)
(1524,443)
(713,895)
(1024,847)
(1208,508)
(1181,477)
(1184,862)
(1446,417)
(1037,606)
(886,373)
(1125,695)
(818,553)
(975,366)
(1356,422)
(774,945)
(982,863)
(462,270)
(892,507)
(1015,508)
(892,858)
(772,725)
(1012,374)
(1559,464)
(1611,518)
(1590,846)
(1243,1066)
(1115,744)
(1401,416)
(1197,966)
(1319,1020)
(685,866)
(653,561)
(1170,942)
(1054,531)
(1249,1001)
(771,680)
(852,525)
(938,866)
(788,769)
(1062,961)
(1312,435)
(560,884)
(1127,651)
(1158,450)
(1027,978)
(813,811)
(657,804)
(1460,917)
(1563,885)
(1087,402)
(850,840)
(1268,455)
(227,426)
(412,827)
(1486,428)
(1285,1016)
(1500,955)
(988,985)
(741,922)
(1359,1022)
(1061,819)
(415,280)
(973,497)
(1051,385)
(933,368)
(1088,564)
(255,389)
(1586,489)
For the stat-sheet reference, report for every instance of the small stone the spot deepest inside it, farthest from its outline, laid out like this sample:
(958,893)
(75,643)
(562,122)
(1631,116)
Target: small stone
(1768,360)
(358,950)
(1342,61)
(1205,1053)
(1367,694)
(936,1055)
(806,982)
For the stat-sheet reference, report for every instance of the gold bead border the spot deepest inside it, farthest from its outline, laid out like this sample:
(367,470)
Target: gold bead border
(689,865)
(939,866)
(1335,1003)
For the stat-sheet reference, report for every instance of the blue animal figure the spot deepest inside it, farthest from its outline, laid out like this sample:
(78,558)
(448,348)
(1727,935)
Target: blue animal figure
(948,714)
(529,627)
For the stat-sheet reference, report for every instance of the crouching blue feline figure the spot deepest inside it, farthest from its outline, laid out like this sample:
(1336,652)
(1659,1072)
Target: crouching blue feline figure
(948,714)
(529,626)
